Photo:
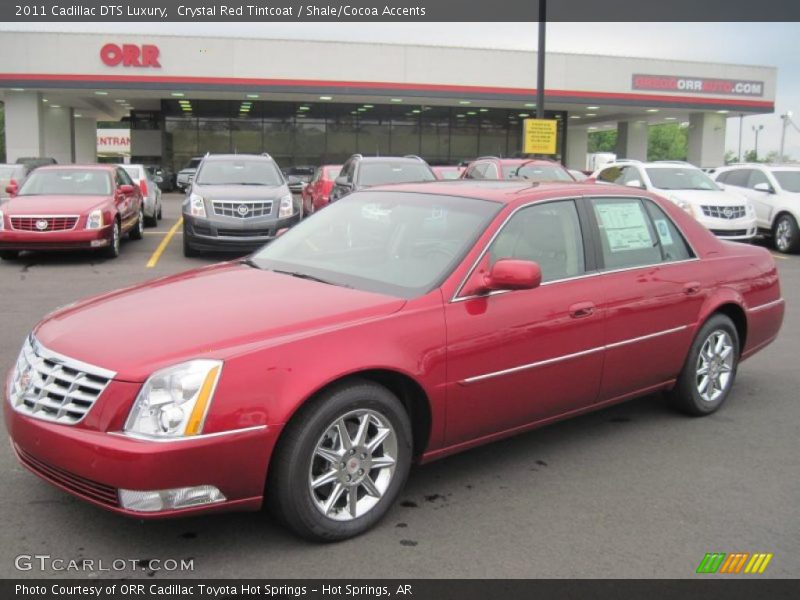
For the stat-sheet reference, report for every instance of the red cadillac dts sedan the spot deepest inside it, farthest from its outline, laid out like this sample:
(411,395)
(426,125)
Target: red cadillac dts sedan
(401,324)
(71,207)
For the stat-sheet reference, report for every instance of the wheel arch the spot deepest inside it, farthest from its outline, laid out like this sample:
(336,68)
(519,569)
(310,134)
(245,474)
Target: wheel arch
(731,307)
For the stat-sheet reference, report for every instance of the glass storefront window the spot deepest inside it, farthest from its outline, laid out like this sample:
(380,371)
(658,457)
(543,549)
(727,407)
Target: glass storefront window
(213,135)
(246,136)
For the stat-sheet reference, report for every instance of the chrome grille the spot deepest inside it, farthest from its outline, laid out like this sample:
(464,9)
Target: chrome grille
(55,388)
(242,210)
(724,212)
(44,224)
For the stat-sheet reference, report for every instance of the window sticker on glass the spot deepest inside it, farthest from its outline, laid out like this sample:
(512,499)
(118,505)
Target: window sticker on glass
(624,225)
(663,232)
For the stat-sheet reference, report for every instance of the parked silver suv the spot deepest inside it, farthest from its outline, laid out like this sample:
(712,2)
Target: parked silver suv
(236,203)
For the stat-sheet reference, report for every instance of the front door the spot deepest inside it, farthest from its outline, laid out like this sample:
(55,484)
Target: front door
(522,356)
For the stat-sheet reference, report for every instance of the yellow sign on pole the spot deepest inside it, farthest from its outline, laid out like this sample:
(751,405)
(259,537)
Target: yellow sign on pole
(539,136)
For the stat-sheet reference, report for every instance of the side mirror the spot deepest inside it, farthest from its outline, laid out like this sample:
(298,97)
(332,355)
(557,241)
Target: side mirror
(514,274)
(764,187)
(126,189)
(635,183)
(341,181)
(11,190)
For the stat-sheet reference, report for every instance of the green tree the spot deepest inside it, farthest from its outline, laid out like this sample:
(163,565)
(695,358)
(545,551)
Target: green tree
(730,157)
(751,156)
(602,141)
(668,142)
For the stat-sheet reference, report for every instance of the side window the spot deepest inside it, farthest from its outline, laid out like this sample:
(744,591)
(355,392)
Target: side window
(630,174)
(723,177)
(348,170)
(123,178)
(673,244)
(617,175)
(491,171)
(549,234)
(627,237)
(738,177)
(477,171)
(756,177)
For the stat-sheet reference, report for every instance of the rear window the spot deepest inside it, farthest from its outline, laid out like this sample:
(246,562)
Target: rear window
(377,173)
(680,178)
(193,164)
(536,173)
(67,182)
(134,172)
(789,180)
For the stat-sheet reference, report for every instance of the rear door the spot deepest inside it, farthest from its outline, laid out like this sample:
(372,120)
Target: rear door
(653,291)
(523,356)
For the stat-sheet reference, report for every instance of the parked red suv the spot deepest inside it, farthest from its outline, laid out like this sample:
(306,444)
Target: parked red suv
(317,193)
(531,169)
(71,207)
(402,323)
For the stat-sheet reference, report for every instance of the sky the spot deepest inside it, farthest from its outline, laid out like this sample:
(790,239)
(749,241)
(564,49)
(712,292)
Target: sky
(765,44)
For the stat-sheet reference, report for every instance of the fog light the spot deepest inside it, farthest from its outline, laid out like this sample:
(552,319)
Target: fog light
(159,500)
(98,243)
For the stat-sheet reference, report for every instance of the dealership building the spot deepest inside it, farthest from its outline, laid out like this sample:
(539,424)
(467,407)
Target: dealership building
(313,102)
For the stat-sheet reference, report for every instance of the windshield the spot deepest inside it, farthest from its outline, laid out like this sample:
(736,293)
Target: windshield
(193,164)
(536,173)
(377,173)
(396,243)
(332,172)
(67,182)
(239,172)
(680,178)
(789,180)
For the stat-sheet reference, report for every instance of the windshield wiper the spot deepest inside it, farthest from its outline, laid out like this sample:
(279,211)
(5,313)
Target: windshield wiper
(309,277)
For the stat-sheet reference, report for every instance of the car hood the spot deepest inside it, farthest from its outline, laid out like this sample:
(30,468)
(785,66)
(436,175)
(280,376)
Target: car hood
(240,192)
(52,205)
(210,312)
(707,197)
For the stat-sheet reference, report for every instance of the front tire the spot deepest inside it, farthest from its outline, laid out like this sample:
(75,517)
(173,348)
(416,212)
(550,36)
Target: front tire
(785,234)
(114,243)
(341,463)
(710,370)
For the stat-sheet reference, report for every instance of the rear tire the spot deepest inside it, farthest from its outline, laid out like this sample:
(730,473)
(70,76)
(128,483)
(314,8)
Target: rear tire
(710,369)
(9,254)
(328,487)
(786,234)
(137,232)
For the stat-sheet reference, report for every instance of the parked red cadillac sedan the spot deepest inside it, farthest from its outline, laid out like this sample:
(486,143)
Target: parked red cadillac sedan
(317,193)
(401,324)
(71,207)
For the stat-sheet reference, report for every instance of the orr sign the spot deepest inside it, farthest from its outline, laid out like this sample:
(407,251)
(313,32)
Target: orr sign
(130,55)
(698,85)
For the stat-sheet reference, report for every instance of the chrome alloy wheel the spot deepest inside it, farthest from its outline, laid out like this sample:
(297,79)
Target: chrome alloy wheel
(783,235)
(352,465)
(115,238)
(714,366)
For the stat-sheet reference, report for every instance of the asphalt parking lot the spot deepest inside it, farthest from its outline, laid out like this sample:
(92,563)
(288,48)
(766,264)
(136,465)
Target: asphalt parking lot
(632,491)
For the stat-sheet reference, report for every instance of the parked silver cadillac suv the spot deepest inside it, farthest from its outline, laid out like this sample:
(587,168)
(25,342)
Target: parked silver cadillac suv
(236,203)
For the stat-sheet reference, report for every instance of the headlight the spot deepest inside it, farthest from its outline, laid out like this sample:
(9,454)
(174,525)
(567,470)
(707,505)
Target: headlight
(287,207)
(174,402)
(95,220)
(684,205)
(197,207)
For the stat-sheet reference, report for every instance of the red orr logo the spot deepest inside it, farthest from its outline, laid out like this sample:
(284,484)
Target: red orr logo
(130,55)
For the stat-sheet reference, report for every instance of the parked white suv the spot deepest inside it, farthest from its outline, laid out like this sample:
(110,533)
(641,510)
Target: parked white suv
(726,213)
(774,191)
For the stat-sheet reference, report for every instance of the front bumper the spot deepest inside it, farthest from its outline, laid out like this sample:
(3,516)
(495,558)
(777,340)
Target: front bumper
(94,465)
(232,234)
(74,239)
(745,228)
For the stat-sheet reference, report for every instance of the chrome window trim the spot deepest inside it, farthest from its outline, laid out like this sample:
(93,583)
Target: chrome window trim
(765,306)
(557,359)
(203,436)
(457,298)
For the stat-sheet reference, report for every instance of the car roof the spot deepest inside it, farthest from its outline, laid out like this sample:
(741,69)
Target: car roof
(237,157)
(97,166)
(410,159)
(509,191)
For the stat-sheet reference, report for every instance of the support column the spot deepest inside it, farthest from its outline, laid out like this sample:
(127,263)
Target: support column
(577,147)
(24,125)
(85,139)
(59,136)
(706,139)
(632,140)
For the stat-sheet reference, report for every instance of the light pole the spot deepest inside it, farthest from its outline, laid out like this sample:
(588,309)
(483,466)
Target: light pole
(786,118)
(741,128)
(540,56)
(757,130)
